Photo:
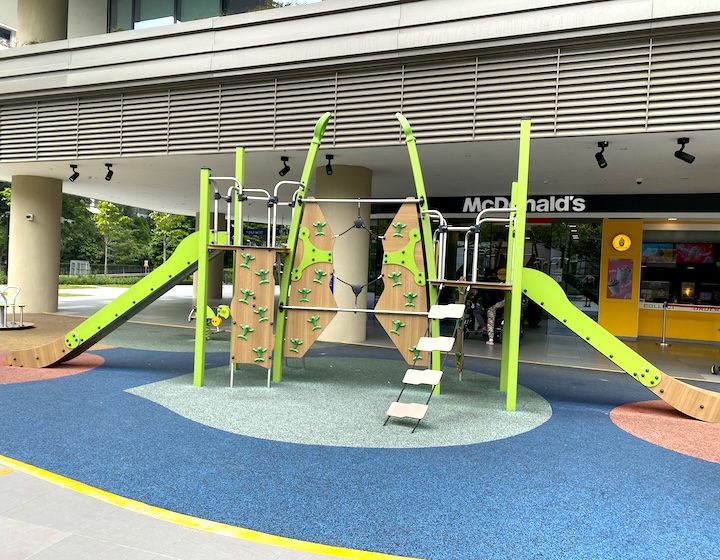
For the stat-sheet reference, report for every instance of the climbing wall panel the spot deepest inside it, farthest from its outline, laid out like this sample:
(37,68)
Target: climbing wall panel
(405,281)
(253,307)
(310,284)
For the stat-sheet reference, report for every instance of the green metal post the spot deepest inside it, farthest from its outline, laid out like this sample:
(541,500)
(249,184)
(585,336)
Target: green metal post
(293,235)
(426,225)
(240,176)
(203,227)
(513,301)
(237,212)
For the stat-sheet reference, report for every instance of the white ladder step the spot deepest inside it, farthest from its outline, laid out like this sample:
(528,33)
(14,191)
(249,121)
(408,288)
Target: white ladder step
(422,376)
(407,410)
(449,311)
(436,343)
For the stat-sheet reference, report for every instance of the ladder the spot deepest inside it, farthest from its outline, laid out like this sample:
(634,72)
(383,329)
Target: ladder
(429,377)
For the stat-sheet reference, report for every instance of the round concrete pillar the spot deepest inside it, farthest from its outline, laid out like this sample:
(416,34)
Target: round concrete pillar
(40,21)
(34,248)
(215,269)
(350,253)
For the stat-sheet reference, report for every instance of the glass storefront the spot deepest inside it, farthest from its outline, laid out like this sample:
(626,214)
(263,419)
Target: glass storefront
(681,266)
(568,251)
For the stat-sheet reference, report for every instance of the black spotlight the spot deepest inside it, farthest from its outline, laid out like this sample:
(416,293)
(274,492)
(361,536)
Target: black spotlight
(328,167)
(680,154)
(74,175)
(109,174)
(599,156)
(286,168)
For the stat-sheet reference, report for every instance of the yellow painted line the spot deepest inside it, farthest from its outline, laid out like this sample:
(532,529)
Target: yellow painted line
(5,471)
(195,522)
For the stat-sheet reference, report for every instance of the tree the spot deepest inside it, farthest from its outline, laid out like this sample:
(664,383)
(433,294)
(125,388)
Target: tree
(270,4)
(168,230)
(132,242)
(80,238)
(110,222)
(5,217)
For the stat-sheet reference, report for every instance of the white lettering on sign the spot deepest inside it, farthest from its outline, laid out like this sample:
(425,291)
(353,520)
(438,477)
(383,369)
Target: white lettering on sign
(567,203)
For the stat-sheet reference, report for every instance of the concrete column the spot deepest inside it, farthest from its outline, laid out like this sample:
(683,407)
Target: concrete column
(40,21)
(86,17)
(350,254)
(34,251)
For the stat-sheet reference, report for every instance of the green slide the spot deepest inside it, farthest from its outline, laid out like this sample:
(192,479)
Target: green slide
(181,263)
(693,401)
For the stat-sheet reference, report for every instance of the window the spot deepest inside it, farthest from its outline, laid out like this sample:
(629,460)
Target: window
(127,14)
(198,9)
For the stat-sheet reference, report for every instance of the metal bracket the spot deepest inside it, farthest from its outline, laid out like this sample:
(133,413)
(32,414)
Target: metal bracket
(311,254)
(405,257)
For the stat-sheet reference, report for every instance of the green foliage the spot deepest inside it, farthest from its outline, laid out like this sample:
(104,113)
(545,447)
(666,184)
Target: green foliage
(5,221)
(130,244)
(80,238)
(100,280)
(167,232)
(271,4)
(97,280)
(110,222)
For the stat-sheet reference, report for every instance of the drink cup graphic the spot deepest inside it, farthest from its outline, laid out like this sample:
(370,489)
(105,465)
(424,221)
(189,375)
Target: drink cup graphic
(624,274)
(614,287)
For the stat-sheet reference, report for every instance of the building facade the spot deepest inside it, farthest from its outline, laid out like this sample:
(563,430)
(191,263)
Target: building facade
(160,102)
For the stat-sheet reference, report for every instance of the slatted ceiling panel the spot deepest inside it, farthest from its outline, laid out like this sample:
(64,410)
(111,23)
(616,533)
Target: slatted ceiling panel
(451,87)
(17,133)
(299,103)
(145,123)
(367,100)
(57,130)
(193,122)
(684,85)
(247,115)
(99,125)
(602,90)
(513,88)
(671,84)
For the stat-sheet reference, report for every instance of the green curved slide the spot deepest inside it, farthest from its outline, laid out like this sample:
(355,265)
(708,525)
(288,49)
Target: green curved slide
(182,262)
(693,401)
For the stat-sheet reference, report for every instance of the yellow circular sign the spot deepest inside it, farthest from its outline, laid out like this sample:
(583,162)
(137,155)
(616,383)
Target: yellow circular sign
(621,242)
(216,321)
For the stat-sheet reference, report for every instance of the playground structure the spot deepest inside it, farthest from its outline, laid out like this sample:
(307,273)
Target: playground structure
(414,263)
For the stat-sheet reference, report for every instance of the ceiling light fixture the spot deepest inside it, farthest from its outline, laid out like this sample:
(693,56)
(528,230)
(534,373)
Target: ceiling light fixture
(328,167)
(286,168)
(74,175)
(681,154)
(599,156)
(109,171)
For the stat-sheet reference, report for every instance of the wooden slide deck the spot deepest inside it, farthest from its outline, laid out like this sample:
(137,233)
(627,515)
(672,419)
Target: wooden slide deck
(693,401)
(181,263)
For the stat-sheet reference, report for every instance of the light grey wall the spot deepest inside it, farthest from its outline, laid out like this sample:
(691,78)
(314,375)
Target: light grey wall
(324,34)
(8,13)
(86,17)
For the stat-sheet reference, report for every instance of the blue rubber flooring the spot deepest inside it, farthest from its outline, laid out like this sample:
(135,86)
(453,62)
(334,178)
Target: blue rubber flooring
(575,487)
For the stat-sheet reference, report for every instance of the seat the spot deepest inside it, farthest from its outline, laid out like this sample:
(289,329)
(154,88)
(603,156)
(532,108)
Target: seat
(8,303)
